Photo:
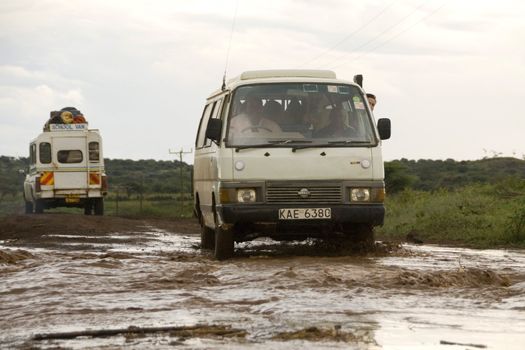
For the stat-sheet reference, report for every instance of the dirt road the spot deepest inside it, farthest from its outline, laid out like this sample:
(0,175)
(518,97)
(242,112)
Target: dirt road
(71,281)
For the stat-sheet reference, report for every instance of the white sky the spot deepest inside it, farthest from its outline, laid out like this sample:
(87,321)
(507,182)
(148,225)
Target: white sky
(449,74)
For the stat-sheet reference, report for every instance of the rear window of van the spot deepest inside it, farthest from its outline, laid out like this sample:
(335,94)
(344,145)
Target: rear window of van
(69,156)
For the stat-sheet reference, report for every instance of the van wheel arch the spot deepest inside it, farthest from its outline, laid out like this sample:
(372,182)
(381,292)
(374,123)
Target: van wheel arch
(197,207)
(207,234)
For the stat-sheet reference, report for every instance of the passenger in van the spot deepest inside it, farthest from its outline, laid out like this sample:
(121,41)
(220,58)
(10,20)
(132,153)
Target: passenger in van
(273,111)
(252,120)
(295,111)
(336,126)
(318,110)
(295,118)
(371,100)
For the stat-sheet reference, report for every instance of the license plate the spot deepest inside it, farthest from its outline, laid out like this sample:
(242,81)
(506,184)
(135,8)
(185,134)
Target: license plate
(304,213)
(72,199)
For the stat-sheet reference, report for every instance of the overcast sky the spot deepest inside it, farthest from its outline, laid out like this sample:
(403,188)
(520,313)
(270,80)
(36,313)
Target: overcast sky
(450,74)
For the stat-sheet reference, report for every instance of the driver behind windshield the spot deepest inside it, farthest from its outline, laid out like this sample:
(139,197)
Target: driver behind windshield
(251,120)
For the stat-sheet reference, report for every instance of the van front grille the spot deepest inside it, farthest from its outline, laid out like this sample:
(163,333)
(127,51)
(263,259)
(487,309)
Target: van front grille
(304,194)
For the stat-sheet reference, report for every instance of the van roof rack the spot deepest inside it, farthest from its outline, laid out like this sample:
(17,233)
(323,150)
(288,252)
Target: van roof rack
(284,73)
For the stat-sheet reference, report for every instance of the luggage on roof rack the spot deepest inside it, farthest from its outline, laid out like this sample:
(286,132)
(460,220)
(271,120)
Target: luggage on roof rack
(67,115)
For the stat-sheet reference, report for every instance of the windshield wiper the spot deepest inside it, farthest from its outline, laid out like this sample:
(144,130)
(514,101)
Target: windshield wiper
(330,143)
(285,142)
(345,142)
(271,143)
(261,145)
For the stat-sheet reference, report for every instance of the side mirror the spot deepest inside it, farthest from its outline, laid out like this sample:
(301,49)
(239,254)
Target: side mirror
(213,129)
(383,126)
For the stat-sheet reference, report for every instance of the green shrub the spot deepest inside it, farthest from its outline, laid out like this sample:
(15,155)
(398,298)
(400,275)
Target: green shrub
(515,224)
(481,215)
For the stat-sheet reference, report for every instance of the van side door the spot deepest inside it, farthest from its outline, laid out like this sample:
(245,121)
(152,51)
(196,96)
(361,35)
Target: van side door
(205,165)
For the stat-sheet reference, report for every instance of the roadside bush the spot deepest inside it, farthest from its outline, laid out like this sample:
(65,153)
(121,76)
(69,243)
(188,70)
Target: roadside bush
(481,215)
(515,224)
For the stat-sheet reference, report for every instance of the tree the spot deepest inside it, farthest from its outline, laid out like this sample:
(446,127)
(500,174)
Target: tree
(397,177)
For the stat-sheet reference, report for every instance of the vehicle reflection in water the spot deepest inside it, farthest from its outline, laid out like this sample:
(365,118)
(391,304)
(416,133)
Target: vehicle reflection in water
(282,296)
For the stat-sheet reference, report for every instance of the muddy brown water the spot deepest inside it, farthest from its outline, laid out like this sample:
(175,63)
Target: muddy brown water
(271,295)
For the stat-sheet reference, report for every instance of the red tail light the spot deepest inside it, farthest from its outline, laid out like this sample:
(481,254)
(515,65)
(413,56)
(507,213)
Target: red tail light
(94,178)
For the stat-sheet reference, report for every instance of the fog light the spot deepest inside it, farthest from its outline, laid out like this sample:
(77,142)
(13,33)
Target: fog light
(245,195)
(360,195)
(377,195)
(227,195)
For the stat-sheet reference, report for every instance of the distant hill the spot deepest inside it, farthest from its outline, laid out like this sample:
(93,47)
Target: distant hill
(126,175)
(157,176)
(428,175)
(154,176)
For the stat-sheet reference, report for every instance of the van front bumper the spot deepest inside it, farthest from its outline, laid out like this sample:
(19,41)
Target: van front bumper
(373,214)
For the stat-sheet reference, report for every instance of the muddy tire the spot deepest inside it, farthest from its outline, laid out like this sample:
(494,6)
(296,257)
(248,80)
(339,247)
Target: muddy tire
(39,206)
(99,206)
(223,244)
(360,234)
(29,208)
(207,236)
(88,207)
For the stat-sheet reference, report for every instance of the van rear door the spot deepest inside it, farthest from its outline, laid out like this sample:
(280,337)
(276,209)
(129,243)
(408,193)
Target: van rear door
(70,156)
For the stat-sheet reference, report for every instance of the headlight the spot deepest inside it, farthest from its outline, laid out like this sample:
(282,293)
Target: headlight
(373,195)
(360,195)
(245,195)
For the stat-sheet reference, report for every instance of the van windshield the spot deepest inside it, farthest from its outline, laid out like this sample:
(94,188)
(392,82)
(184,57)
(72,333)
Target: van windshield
(295,114)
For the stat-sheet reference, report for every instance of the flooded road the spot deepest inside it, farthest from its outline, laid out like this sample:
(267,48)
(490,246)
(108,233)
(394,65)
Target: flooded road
(271,295)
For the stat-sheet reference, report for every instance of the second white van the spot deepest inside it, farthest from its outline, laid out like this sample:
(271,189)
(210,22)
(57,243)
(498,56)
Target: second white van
(66,169)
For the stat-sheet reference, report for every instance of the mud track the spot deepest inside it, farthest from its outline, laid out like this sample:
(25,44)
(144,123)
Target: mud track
(73,281)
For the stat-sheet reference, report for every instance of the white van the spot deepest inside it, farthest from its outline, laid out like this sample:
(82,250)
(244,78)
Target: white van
(288,154)
(66,169)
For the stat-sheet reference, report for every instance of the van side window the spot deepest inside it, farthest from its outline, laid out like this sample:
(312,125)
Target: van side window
(94,151)
(32,154)
(203,124)
(214,115)
(70,156)
(44,151)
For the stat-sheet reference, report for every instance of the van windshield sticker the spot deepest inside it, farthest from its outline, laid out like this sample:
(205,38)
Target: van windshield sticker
(310,88)
(358,103)
(332,88)
(345,90)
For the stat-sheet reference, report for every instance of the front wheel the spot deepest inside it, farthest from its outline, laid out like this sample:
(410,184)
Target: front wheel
(224,244)
(207,236)
(360,234)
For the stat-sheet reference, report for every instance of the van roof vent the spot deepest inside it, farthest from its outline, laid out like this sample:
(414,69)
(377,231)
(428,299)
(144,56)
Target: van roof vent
(287,73)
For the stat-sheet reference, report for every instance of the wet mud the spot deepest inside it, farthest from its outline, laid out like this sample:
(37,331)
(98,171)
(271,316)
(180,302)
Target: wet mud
(117,283)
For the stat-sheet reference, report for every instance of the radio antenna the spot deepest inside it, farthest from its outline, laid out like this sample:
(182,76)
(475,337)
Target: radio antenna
(223,87)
